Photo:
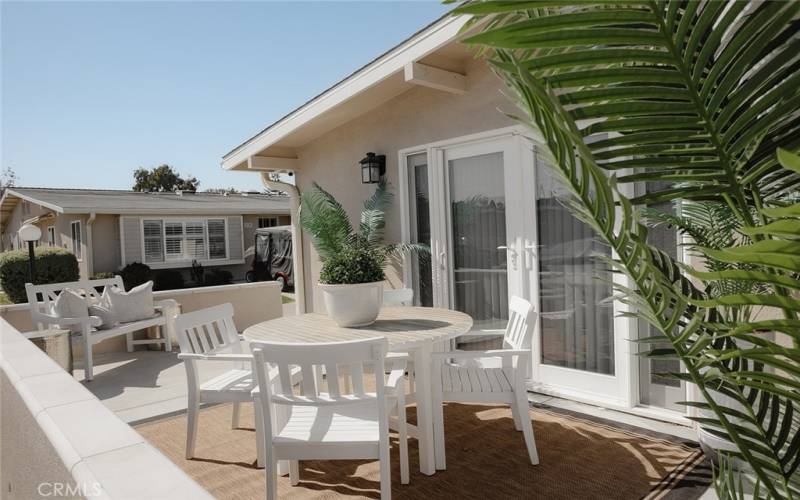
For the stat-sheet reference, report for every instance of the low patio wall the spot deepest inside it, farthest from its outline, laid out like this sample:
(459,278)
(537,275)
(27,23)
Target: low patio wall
(58,440)
(252,303)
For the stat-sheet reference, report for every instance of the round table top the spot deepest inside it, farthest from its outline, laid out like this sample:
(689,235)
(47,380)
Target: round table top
(403,327)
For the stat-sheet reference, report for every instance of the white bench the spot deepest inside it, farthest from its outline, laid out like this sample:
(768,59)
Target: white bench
(43,318)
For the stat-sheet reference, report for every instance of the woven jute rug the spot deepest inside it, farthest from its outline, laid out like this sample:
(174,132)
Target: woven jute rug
(581,457)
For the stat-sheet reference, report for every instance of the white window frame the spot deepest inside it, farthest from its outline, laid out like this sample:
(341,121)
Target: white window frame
(77,249)
(184,259)
(51,236)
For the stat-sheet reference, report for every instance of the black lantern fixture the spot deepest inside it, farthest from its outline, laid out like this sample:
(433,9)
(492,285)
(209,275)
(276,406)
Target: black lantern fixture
(372,168)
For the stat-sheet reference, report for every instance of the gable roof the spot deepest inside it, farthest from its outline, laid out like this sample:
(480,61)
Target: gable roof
(106,201)
(369,86)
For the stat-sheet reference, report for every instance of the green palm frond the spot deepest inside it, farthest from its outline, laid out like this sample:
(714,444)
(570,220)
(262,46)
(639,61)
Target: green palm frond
(373,215)
(325,220)
(697,96)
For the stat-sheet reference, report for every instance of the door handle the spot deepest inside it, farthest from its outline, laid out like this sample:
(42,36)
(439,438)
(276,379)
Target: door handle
(511,252)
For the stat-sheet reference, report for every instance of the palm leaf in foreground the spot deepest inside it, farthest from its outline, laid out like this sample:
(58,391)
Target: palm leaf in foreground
(698,94)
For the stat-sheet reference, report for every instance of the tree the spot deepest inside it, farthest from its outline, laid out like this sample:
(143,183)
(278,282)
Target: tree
(162,179)
(702,97)
(8,178)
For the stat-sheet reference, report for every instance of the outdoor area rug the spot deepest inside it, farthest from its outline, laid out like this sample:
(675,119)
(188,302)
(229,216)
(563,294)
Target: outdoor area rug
(581,457)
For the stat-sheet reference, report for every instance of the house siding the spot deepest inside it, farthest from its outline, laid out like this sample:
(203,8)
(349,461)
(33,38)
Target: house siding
(418,116)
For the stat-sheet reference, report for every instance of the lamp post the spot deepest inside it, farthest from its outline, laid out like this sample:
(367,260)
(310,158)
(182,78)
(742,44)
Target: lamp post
(30,233)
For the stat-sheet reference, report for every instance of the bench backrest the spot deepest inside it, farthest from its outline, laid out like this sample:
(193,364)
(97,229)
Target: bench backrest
(42,297)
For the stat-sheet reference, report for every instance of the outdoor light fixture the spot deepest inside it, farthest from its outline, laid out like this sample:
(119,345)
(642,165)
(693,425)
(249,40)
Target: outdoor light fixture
(372,168)
(30,233)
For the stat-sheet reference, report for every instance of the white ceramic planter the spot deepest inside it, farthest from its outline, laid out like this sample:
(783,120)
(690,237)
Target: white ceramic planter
(353,305)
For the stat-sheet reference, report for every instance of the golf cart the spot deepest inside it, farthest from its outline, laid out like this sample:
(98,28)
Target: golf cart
(272,257)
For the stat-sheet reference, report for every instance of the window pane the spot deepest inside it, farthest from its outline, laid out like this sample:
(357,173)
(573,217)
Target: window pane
(216,239)
(174,248)
(76,239)
(153,242)
(173,228)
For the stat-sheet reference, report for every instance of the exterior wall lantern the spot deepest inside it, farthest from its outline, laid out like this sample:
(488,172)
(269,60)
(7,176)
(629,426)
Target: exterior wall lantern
(30,233)
(372,168)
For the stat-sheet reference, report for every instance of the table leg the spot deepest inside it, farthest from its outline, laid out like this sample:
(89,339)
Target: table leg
(422,368)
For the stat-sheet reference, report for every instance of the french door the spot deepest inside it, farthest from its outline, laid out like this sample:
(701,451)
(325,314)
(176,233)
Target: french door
(493,213)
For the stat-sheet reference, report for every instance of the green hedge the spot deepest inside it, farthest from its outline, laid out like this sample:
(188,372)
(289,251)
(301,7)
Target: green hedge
(53,265)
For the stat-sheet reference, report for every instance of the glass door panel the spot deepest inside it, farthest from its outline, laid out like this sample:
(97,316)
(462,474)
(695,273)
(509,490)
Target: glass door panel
(654,388)
(577,319)
(420,225)
(478,239)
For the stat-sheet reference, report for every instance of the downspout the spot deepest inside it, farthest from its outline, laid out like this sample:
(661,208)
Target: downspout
(297,238)
(89,246)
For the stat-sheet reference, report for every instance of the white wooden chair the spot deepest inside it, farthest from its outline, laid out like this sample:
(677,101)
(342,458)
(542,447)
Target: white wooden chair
(486,377)
(210,335)
(43,317)
(398,297)
(327,424)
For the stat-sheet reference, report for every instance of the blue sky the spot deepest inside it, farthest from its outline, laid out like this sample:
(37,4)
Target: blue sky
(93,90)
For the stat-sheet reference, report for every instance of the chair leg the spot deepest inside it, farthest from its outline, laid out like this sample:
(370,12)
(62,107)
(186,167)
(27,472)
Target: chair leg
(260,431)
(402,431)
(129,342)
(294,472)
(88,368)
(237,410)
(271,474)
(515,414)
(193,409)
(527,427)
(386,472)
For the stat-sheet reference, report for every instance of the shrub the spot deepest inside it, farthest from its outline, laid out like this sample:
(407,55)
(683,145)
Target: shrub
(53,265)
(168,279)
(102,276)
(352,265)
(135,273)
(216,277)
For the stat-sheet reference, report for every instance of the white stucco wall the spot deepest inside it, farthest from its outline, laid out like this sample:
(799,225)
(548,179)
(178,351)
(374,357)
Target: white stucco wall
(418,116)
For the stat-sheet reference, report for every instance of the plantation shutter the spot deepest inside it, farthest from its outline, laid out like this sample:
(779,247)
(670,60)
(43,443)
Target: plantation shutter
(235,250)
(131,239)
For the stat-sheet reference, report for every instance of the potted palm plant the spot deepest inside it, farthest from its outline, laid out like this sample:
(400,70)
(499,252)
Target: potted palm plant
(353,261)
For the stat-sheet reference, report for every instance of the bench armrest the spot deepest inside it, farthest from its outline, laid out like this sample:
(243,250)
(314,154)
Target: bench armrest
(40,317)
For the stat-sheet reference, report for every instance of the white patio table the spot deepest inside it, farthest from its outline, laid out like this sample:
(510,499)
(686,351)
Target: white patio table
(416,330)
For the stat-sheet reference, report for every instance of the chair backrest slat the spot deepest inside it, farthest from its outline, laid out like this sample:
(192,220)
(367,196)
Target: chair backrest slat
(208,330)
(520,324)
(332,377)
(311,359)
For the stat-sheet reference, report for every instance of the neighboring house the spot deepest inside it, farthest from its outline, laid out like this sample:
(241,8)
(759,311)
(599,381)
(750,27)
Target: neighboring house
(108,229)
(475,185)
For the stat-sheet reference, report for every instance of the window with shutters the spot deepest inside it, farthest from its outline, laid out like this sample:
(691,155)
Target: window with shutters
(216,239)
(153,241)
(267,222)
(172,240)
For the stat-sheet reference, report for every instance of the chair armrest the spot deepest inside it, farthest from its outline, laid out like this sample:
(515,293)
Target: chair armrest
(215,357)
(396,379)
(497,353)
